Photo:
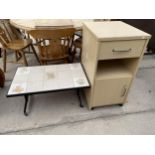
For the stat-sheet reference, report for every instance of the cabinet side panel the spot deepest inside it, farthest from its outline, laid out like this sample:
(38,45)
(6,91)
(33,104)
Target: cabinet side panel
(89,60)
(89,54)
(135,65)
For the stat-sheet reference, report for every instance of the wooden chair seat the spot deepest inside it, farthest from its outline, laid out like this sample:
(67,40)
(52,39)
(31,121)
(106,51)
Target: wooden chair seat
(55,55)
(19,44)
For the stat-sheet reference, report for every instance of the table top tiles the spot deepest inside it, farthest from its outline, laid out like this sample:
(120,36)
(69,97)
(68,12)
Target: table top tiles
(37,79)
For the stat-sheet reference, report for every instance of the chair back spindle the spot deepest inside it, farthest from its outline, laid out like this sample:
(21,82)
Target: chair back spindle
(3,38)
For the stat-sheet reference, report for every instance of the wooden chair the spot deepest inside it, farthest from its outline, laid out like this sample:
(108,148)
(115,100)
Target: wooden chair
(54,44)
(2,78)
(17,46)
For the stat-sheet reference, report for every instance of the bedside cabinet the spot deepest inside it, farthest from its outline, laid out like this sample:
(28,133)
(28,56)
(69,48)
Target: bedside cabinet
(111,54)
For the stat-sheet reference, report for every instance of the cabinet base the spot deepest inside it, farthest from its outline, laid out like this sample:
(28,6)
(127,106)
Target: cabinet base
(121,105)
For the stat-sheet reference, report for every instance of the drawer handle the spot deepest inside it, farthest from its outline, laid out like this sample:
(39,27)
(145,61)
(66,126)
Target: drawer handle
(125,50)
(124,91)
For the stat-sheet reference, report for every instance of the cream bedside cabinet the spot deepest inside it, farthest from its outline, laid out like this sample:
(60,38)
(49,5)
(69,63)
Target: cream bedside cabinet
(111,54)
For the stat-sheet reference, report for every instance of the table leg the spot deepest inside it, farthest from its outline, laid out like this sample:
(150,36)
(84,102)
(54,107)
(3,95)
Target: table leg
(79,96)
(26,106)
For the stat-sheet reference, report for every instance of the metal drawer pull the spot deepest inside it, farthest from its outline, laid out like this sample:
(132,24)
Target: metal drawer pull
(125,50)
(124,91)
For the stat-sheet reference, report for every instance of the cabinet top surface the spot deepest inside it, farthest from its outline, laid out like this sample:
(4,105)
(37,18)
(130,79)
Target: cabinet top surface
(115,30)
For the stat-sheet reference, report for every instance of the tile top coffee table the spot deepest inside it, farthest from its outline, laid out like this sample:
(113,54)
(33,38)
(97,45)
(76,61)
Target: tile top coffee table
(42,79)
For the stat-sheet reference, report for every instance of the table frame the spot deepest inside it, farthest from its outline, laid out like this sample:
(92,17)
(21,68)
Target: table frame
(27,103)
(27,95)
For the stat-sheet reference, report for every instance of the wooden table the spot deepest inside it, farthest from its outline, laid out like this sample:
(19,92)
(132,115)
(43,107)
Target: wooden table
(30,24)
(45,79)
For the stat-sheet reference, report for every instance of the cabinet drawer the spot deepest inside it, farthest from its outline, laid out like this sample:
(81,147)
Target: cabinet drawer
(110,91)
(120,49)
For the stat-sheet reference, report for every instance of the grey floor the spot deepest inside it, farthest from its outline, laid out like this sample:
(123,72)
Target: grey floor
(59,113)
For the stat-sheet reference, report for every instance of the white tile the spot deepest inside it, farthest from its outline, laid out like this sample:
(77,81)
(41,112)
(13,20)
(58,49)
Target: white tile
(78,73)
(34,86)
(67,83)
(20,78)
(64,80)
(38,69)
(50,68)
(50,85)
(63,67)
(23,71)
(64,75)
(75,66)
(33,77)
(50,76)
(80,82)
(17,88)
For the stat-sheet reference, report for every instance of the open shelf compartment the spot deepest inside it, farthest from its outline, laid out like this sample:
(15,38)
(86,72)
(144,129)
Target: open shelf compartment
(111,69)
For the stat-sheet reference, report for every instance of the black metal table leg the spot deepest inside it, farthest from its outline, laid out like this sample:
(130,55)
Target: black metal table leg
(79,96)
(26,107)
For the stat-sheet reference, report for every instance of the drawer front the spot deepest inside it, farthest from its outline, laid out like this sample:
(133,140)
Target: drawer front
(110,91)
(121,49)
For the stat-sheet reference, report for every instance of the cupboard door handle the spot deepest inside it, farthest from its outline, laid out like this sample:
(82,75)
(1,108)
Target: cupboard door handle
(124,91)
(123,50)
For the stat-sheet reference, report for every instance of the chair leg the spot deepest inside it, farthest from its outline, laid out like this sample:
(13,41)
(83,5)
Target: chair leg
(28,36)
(34,51)
(2,78)
(24,58)
(73,56)
(16,56)
(72,53)
(66,61)
(42,62)
(4,60)
(80,53)
(0,53)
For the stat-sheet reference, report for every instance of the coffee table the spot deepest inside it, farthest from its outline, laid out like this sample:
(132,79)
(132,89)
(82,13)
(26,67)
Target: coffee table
(45,79)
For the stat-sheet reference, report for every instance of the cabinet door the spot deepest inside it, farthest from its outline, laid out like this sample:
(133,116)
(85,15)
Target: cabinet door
(110,91)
